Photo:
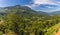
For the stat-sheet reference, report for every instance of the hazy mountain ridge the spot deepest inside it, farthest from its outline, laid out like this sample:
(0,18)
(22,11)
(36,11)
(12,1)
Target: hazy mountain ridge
(26,10)
(21,10)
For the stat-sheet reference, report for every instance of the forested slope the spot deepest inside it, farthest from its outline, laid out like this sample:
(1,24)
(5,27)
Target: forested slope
(25,21)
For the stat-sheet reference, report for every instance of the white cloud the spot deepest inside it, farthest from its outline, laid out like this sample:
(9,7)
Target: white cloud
(38,2)
(49,7)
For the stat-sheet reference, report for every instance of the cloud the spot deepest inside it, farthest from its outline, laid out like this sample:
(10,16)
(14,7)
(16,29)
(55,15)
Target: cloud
(39,2)
(49,7)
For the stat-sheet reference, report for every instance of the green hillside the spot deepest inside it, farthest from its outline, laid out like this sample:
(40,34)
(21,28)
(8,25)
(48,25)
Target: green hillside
(23,20)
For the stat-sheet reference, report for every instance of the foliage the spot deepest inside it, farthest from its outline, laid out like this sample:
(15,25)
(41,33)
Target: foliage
(25,21)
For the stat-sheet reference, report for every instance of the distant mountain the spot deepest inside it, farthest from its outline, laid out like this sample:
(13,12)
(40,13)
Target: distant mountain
(55,13)
(17,7)
(22,10)
(44,13)
(25,10)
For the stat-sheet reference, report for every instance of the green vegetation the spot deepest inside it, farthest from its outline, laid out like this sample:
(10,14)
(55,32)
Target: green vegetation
(24,21)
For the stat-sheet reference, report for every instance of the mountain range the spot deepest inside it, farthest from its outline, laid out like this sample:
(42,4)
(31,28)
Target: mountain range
(24,9)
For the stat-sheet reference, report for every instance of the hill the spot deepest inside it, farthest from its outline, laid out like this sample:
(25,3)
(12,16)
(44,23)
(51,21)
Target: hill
(23,20)
(22,10)
(55,13)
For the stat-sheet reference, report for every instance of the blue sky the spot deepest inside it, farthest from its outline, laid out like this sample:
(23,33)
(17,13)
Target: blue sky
(4,3)
(38,5)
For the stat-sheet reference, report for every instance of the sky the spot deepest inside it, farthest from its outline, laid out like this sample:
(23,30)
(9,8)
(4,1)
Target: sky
(4,3)
(38,5)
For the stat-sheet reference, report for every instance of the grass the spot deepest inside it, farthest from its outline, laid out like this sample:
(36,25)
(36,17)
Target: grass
(53,29)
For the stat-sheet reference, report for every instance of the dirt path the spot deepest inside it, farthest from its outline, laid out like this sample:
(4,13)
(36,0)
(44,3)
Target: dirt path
(58,33)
